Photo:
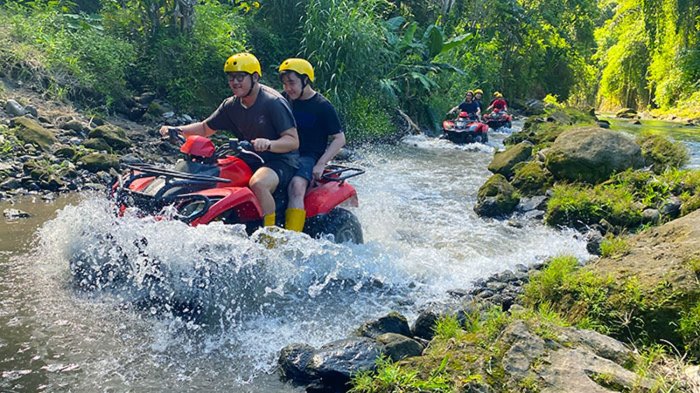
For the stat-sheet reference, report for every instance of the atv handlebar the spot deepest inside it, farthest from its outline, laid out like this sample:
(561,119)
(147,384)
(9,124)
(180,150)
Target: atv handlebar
(174,136)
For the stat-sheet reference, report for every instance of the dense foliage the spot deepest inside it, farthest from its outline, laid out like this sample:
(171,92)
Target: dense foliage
(372,56)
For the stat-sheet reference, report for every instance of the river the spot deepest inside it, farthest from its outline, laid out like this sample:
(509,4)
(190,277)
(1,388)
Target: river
(422,239)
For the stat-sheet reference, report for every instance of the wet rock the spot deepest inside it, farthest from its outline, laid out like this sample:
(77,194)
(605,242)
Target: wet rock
(15,214)
(496,197)
(11,184)
(593,242)
(534,215)
(503,162)
(64,151)
(626,113)
(496,286)
(391,323)
(527,204)
(397,346)
(294,362)
(14,109)
(338,360)
(145,98)
(603,123)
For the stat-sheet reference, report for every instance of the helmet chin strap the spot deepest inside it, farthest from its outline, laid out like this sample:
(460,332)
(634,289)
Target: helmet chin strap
(252,86)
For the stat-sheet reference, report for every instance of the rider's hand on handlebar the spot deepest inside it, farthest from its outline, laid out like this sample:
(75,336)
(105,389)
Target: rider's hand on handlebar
(261,144)
(164,133)
(317,171)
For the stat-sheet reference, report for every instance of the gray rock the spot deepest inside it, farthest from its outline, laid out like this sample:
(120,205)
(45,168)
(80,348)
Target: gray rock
(294,362)
(31,109)
(168,115)
(526,204)
(496,286)
(15,214)
(594,239)
(338,360)
(534,215)
(651,216)
(671,207)
(398,347)
(13,108)
(391,323)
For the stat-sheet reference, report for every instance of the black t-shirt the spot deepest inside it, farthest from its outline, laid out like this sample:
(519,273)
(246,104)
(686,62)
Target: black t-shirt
(480,104)
(316,120)
(268,117)
(469,107)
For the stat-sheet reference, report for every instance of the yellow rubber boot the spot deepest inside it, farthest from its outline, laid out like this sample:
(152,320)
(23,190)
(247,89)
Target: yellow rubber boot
(294,219)
(269,220)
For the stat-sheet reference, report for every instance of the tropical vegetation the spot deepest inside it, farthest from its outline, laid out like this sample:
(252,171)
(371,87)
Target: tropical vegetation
(372,56)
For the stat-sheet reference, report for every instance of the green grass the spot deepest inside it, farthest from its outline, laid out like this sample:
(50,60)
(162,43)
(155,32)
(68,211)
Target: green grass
(613,246)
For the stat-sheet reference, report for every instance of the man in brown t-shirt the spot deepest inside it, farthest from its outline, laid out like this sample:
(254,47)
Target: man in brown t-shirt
(261,115)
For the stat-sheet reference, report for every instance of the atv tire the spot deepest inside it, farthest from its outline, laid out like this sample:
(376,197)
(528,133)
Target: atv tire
(340,223)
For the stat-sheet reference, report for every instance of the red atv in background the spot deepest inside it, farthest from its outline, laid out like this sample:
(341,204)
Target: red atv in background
(211,184)
(464,129)
(497,119)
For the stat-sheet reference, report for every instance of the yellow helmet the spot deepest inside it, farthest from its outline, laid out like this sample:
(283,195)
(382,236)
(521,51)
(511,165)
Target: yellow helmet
(478,91)
(300,66)
(498,95)
(243,62)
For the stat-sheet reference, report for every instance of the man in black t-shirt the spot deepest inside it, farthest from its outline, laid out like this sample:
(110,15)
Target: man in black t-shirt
(468,105)
(259,114)
(317,121)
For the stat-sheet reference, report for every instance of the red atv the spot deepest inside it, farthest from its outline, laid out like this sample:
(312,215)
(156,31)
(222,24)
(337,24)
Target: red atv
(211,184)
(464,129)
(497,119)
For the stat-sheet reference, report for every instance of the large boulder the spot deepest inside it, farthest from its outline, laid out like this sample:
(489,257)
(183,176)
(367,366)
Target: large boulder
(592,155)
(29,131)
(626,113)
(664,263)
(503,162)
(390,323)
(496,197)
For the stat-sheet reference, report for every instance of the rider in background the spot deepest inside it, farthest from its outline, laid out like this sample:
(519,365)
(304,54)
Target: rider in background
(478,97)
(468,105)
(317,122)
(259,114)
(498,103)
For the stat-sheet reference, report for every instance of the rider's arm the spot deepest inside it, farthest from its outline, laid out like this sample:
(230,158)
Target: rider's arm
(288,141)
(199,128)
(337,142)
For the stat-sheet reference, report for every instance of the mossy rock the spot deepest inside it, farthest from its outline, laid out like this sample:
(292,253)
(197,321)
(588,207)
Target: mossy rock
(662,154)
(496,197)
(531,178)
(592,155)
(96,162)
(63,151)
(653,286)
(113,136)
(503,162)
(29,131)
(98,144)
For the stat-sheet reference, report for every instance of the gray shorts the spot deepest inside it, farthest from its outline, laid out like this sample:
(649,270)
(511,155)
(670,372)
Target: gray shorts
(306,166)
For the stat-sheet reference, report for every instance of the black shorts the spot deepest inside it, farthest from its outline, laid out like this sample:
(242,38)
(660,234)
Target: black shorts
(284,170)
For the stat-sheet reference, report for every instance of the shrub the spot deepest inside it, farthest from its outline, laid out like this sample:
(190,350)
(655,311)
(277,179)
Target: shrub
(612,246)
(366,119)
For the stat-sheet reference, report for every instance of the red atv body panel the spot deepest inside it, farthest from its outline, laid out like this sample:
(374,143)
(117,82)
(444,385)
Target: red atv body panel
(323,198)
(240,199)
(234,169)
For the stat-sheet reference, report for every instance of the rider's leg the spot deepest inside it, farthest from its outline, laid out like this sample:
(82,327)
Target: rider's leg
(295,214)
(263,183)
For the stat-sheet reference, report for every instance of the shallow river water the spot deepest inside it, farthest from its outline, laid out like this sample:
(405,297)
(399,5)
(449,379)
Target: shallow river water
(422,239)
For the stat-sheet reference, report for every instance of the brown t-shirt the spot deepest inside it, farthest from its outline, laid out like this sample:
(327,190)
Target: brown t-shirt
(268,117)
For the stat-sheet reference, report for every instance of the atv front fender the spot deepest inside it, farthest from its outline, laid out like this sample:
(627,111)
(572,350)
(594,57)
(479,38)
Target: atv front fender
(239,199)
